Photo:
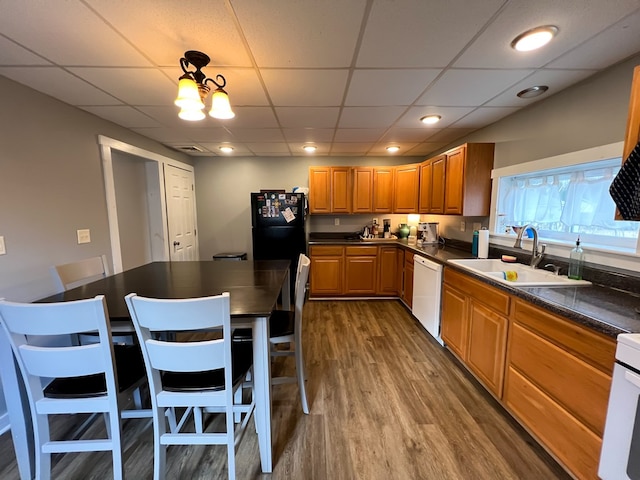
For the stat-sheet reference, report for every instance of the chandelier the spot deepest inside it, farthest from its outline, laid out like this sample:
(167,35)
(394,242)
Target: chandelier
(193,90)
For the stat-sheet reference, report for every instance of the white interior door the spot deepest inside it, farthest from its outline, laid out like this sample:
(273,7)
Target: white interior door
(181,218)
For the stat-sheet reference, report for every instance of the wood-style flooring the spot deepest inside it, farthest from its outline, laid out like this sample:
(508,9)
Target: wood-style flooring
(387,402)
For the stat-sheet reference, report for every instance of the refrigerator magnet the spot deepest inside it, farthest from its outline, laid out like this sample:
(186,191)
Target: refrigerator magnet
(288,215)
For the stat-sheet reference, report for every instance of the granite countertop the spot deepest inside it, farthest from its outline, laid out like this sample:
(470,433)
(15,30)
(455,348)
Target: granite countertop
(607,310)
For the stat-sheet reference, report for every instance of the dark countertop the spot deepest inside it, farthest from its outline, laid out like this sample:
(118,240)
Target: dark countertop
(607,310)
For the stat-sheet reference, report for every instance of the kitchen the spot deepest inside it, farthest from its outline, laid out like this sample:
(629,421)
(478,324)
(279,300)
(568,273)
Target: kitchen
(47,166)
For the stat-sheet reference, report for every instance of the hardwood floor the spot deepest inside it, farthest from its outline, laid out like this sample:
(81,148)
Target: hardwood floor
(387,402)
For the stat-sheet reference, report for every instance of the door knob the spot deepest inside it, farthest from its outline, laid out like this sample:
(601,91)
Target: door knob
(176,243)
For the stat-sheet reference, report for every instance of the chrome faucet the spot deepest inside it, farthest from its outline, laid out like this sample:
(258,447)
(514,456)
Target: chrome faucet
(536,254)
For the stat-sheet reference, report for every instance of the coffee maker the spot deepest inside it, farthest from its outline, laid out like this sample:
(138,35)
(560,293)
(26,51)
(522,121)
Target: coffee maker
(428,232)
(386,227)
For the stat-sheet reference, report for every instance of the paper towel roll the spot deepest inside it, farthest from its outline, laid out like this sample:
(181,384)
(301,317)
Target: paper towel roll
(483,244)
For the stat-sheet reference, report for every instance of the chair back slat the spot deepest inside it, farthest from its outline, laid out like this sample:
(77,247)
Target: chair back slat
(54,318)
(74,361)
(71,274)
(301,285)
(186,357)
(176,315)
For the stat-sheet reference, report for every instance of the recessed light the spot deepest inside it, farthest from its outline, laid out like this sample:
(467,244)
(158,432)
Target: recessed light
(430,119)
(309,148)
(393,148)
(532,91)
(226,148)
(534,38)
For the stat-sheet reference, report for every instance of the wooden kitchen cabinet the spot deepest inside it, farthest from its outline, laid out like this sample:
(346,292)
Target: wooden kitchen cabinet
(330,190)
(557,383)
(407,284)
(632,134)
(327,270)
(362,178)
(319,189)
(468,179)
(431,197)
(406,188)
(455,320)
(361,269)
(387,271)
(382,189)
(474,326)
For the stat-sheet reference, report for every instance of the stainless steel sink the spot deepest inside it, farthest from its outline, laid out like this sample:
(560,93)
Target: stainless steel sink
(527,276)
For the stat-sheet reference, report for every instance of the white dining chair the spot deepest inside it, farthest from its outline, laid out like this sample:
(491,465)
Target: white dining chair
(198,375)
(74,274)
(286,328)
(77,379)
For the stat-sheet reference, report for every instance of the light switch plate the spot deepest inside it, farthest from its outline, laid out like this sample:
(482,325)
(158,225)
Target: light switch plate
(84,236)
(463,226)
(3,250)
(336,221)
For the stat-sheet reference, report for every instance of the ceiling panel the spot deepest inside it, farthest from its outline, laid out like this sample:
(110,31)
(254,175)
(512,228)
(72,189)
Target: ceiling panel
(347,76)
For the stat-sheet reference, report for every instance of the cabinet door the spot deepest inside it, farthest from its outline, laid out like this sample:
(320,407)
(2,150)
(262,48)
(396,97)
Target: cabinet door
(405,196)
(454,182)
(362,189)
(360,274)
(387,273)
(327,270)
(455,325)
(319,190)
(383,189)
(437,184)
(340,190)
(633,120)
(407,292)
(426,178)
(400,271)
(487,346)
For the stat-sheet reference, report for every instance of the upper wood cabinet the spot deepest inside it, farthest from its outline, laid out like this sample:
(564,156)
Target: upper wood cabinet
(633,120)
(383,189)
(406,188)
(330,190)
(362,189)
(431,198)
(468,179)
(319,189)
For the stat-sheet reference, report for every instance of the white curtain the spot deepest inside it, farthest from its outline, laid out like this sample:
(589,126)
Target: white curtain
(588,202)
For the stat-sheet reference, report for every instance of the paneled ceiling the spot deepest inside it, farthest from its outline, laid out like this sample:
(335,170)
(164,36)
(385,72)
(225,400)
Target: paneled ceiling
(350,76)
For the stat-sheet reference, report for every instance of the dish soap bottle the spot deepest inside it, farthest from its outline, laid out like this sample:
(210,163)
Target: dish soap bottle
(576,259)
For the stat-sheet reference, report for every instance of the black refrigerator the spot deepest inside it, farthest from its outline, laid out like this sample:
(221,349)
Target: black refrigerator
(278,228)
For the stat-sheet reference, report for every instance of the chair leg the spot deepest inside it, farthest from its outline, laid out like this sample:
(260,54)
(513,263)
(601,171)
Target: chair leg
(116,445)
(159,451)
(231,449)
(301,376)
(41,436)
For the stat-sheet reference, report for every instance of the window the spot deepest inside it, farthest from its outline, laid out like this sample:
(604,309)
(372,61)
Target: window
(564,202)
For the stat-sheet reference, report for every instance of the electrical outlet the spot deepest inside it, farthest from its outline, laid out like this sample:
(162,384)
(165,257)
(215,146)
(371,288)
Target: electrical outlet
(463,226)
(336,221)
(84,236)
(477,225)
(375,220)
(3,250)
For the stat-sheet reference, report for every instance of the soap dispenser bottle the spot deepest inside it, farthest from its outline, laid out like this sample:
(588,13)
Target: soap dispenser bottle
(576,260)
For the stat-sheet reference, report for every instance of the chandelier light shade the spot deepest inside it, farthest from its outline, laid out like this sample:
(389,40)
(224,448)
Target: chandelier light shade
(193,90)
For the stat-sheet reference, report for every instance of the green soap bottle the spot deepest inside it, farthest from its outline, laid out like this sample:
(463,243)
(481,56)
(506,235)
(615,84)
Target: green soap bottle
(576,260)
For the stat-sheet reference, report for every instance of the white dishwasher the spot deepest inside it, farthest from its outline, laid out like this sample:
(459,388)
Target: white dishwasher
(427,287)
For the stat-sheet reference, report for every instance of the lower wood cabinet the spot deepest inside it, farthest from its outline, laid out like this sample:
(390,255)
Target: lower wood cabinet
(326,273)
(361,270)
(387,270)
(407,284)
(552,374)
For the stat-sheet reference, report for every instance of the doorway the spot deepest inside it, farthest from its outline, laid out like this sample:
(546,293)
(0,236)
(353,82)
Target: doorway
(152,173)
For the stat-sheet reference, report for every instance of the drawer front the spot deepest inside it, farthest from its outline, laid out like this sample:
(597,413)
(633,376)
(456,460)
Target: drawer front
(362,251)
(593,348)
(326,250)
(486,294)
(579,387)
(577,447)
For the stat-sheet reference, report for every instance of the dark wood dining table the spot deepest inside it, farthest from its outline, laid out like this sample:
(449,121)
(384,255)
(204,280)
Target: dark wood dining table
(254,286)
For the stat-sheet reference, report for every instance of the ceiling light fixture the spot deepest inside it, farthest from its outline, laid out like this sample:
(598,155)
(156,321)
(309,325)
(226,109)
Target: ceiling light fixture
(532,91)
(193,90)
(226,148)
(309,148)
(534,38)
(430,119)
(393,148)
